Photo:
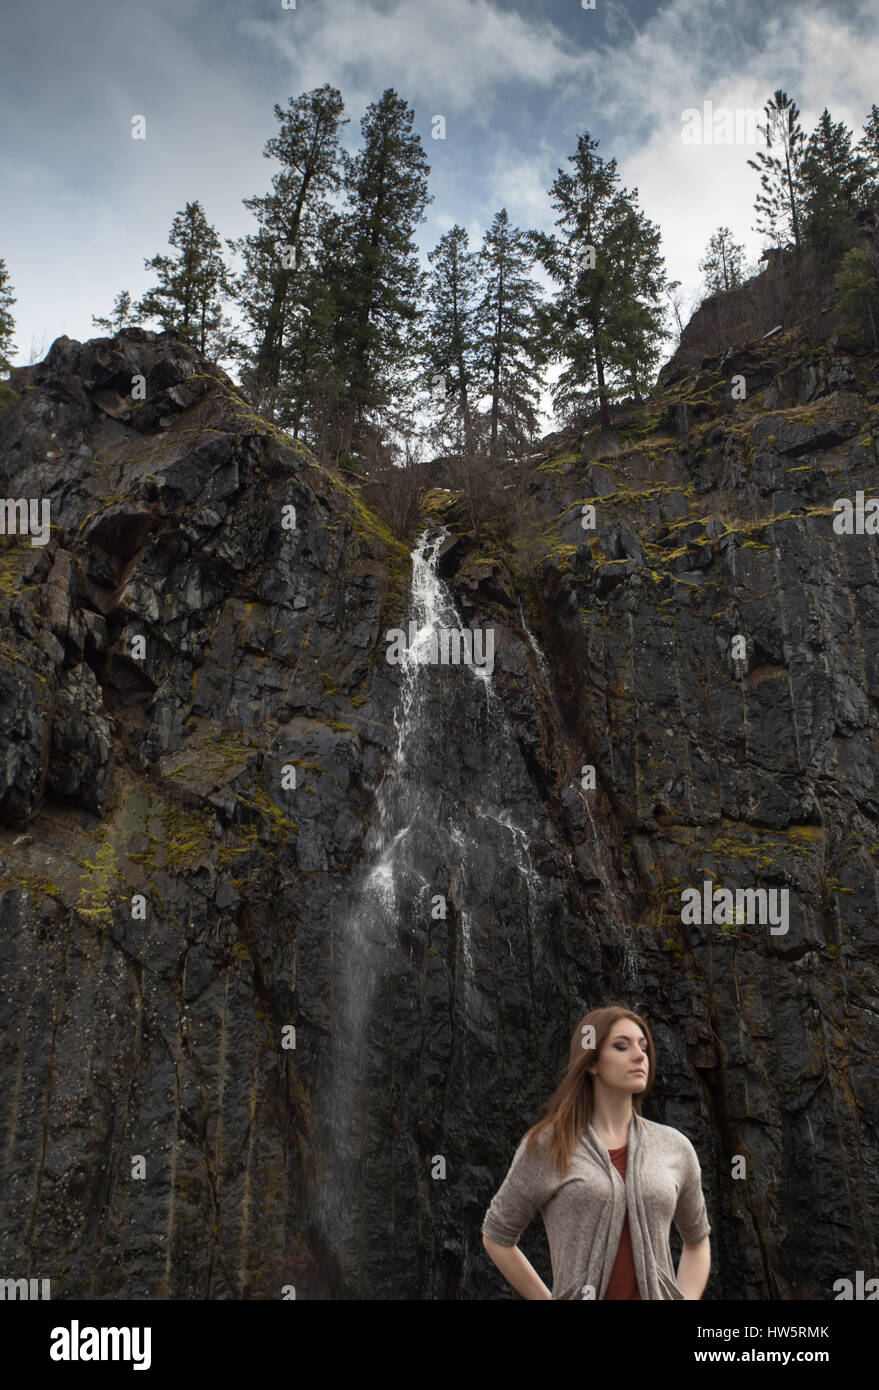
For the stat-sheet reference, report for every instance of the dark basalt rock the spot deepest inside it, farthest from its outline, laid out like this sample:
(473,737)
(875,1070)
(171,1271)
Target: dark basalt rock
(200,753)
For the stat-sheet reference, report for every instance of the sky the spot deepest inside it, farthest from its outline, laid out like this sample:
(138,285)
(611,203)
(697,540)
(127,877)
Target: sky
(83,204)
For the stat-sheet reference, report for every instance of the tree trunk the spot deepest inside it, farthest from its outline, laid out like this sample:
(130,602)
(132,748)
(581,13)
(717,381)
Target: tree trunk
(462,373)
(268,362)
(795,221)
(268,357)
(465,412)
(604,410)
(496,368)
(348,425)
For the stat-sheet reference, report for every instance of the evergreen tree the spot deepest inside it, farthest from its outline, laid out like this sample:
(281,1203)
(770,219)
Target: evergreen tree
(859,293)
(607,318)
(868,148)
(377,342)
(451,326)
(312,385)
(123,314)
(7,322)
(833,178)
(271,291)
(642,283)
(723,262)
(188,298)
(509,341)
(778,206)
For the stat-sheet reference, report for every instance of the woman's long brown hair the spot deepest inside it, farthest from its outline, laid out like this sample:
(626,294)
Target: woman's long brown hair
(569,1109)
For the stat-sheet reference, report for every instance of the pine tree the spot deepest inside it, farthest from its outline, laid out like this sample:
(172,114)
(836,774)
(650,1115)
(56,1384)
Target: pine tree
(859,292)
(642,282)
(450,329)
(723,262)
(123,314)
(509,342)
(868,148)
(833,178)
(270,290)
(7,322)
(607,317)
(778,206)
(377,339)
(310,399)
(188,298)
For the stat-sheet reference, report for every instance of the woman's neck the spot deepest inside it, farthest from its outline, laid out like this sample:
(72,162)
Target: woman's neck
(612,1116)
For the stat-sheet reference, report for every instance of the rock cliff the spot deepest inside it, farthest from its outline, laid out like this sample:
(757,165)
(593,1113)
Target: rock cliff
(292,938)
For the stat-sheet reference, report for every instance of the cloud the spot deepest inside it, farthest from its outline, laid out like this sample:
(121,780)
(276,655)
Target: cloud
(690,190)
(84,204)
(465,53)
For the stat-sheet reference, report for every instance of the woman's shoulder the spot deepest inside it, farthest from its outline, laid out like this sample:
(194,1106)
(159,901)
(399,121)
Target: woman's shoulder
(534,1154)
(667,1137)
(535,1143)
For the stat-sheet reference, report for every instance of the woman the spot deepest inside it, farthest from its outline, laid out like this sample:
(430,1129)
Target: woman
(607,1182)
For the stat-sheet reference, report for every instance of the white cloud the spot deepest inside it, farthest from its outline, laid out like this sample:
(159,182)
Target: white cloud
(83,204)
(462,52)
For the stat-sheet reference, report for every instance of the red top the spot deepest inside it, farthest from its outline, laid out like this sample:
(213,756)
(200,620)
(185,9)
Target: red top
(623,1283)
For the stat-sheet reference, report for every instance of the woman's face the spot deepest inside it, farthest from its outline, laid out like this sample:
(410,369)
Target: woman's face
(623,1063)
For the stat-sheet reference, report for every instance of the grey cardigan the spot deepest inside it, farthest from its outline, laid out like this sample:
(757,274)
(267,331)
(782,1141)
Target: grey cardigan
(584,1209)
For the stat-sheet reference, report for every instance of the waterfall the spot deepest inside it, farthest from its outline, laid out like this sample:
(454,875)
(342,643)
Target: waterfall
(452,818)
(542,663)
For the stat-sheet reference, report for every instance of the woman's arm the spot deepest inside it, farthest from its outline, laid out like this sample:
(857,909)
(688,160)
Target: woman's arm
(693,1269)
(516,1269)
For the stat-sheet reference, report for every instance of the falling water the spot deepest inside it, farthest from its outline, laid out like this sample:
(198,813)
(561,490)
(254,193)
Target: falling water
(541,659)
(425,813)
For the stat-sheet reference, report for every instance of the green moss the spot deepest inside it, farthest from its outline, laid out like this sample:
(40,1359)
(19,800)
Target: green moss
(559,463)
(806,834)
(366,523)
(730,930)
(39,886)
(675,945)
(651,424)
(558,551)
(259,800)
(186,837)
(246,842)
(94,898)
(833,885)
(14,558)
(217,757)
